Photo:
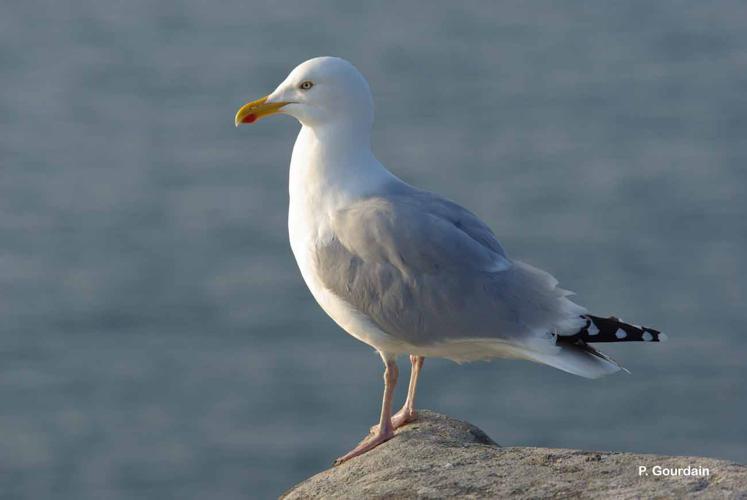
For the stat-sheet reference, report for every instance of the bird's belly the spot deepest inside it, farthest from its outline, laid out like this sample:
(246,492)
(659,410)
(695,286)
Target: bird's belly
(303,237)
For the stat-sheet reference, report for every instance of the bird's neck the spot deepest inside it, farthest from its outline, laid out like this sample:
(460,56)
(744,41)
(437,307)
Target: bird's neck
(333,165)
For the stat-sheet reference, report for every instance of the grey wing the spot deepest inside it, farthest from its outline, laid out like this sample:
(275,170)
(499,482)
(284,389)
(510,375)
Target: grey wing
(463,219)
(426,270)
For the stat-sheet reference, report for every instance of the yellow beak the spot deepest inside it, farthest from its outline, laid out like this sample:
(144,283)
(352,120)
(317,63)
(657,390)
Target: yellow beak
(253,111)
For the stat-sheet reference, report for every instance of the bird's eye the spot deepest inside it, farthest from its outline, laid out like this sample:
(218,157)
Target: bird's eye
(306,85)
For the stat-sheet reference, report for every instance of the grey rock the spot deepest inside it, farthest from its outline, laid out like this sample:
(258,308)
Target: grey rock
(440,457)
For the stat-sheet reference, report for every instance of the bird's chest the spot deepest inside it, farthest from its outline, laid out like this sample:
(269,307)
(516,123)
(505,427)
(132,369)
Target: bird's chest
(308,226)
(313,203)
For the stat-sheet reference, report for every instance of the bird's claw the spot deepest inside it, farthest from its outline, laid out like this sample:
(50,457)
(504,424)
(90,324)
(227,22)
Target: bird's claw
(369,443)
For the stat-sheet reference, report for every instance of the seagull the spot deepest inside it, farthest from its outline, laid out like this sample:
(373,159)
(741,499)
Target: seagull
(407,271)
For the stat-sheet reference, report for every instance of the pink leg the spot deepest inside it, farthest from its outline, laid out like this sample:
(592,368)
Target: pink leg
(384,431)
(407,413)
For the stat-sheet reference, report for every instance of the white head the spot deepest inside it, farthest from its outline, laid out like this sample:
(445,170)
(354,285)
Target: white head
(319,92)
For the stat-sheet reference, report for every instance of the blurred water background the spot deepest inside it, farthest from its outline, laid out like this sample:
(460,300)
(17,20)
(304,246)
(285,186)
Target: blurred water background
(156,338)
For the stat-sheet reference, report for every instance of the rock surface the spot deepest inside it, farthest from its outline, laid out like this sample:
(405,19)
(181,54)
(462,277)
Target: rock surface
(441,457)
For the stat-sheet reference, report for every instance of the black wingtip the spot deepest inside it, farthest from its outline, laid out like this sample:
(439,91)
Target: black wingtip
(612,329)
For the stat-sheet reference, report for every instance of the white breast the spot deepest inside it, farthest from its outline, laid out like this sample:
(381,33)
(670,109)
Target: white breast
(315,196)
(305,234)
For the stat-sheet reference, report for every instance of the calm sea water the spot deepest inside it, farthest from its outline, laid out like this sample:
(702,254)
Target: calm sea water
(156,338)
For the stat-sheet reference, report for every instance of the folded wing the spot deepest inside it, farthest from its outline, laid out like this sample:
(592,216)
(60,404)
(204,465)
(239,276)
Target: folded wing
(426,270)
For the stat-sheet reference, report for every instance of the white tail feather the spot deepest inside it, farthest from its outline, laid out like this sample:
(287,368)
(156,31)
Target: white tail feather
(569,358)
(576,361)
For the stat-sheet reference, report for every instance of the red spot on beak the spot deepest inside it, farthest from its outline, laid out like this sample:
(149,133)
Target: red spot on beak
(251,118)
